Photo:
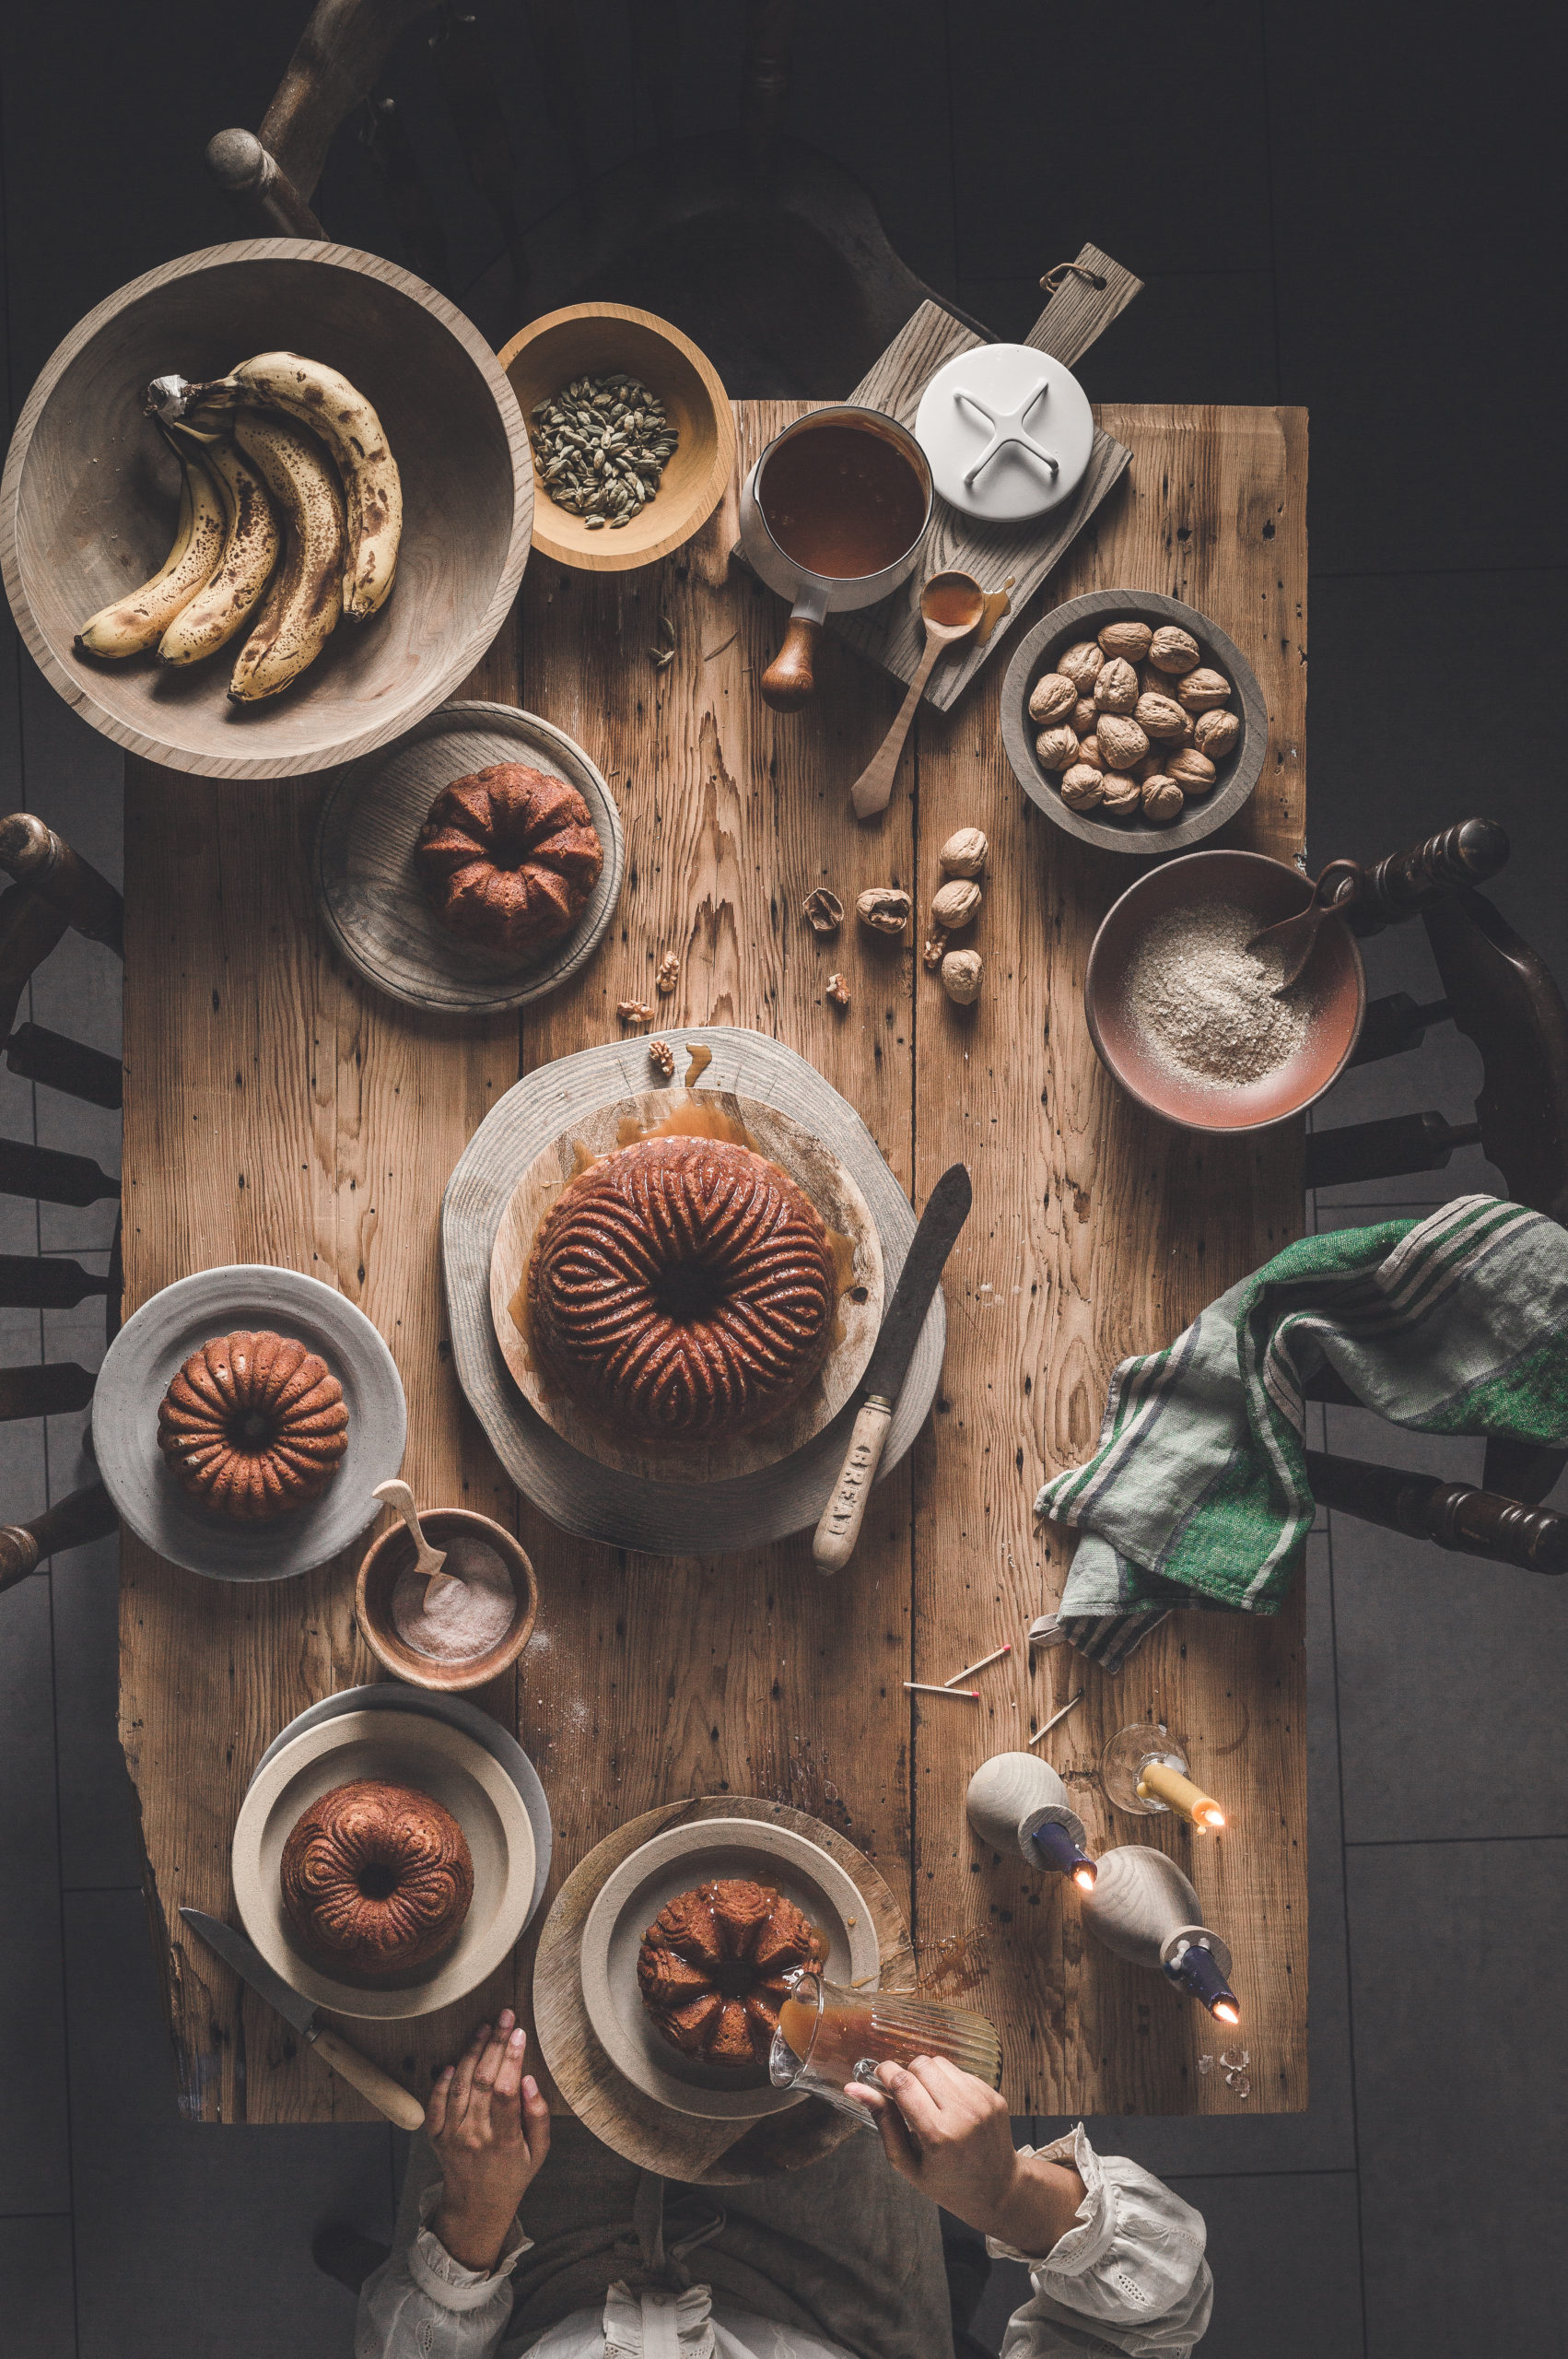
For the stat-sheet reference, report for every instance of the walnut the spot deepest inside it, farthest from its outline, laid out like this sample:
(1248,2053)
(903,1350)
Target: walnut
(1215,733)
(1122,795)
(956,904)
(886,908)
(668,974)
(839,990)
(1052,697)
(964,853)
(664,1056)
(1081,665)
(1122,741)
(1082,787)
(1084,716)
(1202,690)
(1089,751)
(1163,800)
(1115,690)
(1057,748)
(931,956)
(1129,640)
(1191,771)
(1160,716)
(961,976)
(1173,650)
(822,910)
(634,1011)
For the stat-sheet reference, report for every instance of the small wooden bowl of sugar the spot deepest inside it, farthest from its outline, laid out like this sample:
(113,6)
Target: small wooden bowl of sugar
(1183,1014)
(472,1626)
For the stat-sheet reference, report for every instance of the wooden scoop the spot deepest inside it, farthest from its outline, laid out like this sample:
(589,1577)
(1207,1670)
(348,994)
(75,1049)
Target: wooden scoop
(427,1560)
(952,605)
(1295,938)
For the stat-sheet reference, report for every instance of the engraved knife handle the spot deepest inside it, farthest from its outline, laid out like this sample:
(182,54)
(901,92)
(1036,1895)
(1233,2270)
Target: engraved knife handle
(389,2097)
(841,1518)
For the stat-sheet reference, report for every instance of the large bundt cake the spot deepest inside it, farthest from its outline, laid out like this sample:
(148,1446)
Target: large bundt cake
(377,1878)
(716,1965)
(253,1424)
(682,1289)
(508,858)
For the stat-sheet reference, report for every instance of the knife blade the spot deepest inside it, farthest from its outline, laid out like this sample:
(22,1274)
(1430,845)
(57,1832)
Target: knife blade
(236,1949)
(947,1209)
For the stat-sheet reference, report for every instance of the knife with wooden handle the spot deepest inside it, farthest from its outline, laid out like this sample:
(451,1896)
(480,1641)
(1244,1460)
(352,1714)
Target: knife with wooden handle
(389,2097)
(947,1209)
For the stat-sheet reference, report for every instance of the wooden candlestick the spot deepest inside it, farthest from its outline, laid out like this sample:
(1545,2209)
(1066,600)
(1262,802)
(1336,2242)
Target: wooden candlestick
(1144,1909)
(1015,1797)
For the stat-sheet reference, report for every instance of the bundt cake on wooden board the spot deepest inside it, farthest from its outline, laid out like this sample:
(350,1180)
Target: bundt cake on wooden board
(377,1878)
(253,1424)
(716,1965)
(508,858)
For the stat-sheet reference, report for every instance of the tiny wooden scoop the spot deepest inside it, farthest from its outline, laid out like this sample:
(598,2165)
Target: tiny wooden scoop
(952,605)
(1296,937)
(427,1560)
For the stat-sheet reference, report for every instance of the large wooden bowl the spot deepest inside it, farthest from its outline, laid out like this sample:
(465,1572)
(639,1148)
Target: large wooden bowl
(89,498)
(591,340)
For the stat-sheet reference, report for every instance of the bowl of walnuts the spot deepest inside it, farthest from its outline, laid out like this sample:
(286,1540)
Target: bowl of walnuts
(1133,721)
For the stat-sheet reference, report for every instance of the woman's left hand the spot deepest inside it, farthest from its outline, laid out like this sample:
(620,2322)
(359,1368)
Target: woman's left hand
(490,2129)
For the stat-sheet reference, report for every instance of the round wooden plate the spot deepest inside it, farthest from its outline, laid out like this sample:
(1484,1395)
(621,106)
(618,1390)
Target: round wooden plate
(654,2136)
(815,1169)
(406,1749)
(576,1492)
(158,1340)
(370,894)
(653,1876)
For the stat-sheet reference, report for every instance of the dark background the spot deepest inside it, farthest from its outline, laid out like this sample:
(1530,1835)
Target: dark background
(1354,207)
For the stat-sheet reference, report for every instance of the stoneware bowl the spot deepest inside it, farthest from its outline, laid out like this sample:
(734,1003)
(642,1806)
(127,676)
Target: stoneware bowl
(1337,981)
(1084,618)
(592,340)
(393,1552)
(88,500)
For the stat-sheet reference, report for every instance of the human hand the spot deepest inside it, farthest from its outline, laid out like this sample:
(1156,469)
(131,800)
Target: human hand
(950,2136)
(490,2129)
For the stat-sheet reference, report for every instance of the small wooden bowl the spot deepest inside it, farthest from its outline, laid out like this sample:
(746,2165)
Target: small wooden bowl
(393,1553)
(90,496)
(591,340)
(1269,890)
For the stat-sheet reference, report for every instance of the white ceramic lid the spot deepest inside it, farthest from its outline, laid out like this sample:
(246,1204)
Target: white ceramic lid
(1007,431)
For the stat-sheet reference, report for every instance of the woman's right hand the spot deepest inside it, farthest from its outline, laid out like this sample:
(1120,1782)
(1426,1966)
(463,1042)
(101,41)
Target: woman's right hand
(490,2129)
(950,2136)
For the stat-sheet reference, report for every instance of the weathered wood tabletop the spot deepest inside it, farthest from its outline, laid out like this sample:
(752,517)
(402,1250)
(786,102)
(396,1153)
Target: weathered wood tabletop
(276,1109)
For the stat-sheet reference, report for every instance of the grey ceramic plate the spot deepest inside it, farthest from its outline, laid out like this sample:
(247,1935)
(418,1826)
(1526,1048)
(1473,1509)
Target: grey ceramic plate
(136,1374)
(1084,618)
(388,1696)
(364,869)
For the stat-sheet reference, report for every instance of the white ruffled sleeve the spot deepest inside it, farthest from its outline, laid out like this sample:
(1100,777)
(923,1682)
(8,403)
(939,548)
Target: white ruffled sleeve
(1128,2275)
(421,2304)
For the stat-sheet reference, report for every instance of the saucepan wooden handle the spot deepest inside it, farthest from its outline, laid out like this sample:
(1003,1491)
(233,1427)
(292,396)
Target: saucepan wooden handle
(841,1518)
(787,684)
(389,2097)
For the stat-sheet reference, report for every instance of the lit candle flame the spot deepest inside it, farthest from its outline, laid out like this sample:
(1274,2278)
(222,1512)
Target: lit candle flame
(1226,2011)
(1210,1816)
(1084,1875)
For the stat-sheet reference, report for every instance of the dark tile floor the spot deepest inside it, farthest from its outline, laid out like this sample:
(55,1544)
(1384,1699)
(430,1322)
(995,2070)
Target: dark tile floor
(1326,211)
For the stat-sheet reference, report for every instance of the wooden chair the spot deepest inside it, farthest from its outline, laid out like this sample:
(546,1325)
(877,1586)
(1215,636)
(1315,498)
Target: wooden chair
(55,891)
(1500,996)
(761,248)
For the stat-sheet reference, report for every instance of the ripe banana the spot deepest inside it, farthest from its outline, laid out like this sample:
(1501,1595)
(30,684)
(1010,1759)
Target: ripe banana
(140,619)
(320,398)
(250,550)
(306,597)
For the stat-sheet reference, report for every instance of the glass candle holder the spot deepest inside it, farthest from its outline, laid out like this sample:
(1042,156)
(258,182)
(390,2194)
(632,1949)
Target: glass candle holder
(1145,1771)
(830,2037)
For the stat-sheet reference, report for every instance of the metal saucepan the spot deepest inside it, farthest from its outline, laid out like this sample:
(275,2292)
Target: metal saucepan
(788,683)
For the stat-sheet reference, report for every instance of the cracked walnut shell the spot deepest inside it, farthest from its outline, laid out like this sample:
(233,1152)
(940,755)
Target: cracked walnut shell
(822,910)
(886,908)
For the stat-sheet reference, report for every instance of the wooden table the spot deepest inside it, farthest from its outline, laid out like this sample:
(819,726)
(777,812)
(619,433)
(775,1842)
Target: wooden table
(278,1111)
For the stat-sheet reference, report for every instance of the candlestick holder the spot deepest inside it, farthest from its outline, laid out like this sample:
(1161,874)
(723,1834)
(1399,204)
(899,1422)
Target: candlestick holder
(1016,1802)
(1143,1771)
(1143,1908)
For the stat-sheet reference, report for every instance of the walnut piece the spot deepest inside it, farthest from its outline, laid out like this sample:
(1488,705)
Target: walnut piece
(822,910)
(1173,650)
(1163,800)
(1052,697)
(668,974)
(931,956)
(634,1011)
(1082,665)
(839,990)
(961,976)
(886,908)
(956,904)
(964,853)
(664,1056)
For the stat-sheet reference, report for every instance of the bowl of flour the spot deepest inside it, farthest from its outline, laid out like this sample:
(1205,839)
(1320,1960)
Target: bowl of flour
(1188,1018)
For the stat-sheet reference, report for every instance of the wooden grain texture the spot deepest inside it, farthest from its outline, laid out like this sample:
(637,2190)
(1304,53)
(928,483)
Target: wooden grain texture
(681,2145)
(277,1109)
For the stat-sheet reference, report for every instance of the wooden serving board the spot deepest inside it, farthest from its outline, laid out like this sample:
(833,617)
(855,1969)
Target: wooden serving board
(681,2145)
(893,634)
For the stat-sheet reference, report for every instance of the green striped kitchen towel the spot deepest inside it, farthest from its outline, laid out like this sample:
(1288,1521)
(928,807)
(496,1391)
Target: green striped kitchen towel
(1198,1494)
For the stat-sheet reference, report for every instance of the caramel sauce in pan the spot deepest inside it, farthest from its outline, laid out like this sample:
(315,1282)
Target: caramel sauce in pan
(842,500)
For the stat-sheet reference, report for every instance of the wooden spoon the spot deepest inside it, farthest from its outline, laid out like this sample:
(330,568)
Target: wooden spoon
(1295,938)
(952,605)
(427,1560)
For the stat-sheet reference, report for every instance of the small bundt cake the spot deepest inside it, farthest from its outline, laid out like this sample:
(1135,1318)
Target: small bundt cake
(377,1878)
(682,1289)
(508,858)
(716,1965)
(253,1424)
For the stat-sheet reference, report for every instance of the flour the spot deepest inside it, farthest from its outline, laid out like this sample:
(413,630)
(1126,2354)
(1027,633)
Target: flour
(1204,1003)
(469,1615)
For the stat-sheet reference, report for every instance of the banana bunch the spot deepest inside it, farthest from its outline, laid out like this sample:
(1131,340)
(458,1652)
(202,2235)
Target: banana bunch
(288,488)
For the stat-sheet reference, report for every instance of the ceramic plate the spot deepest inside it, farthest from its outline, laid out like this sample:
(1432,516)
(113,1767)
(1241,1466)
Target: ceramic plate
(364,862)
(156,1342)
(408,1749)
(391,1696)
(632,1897)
